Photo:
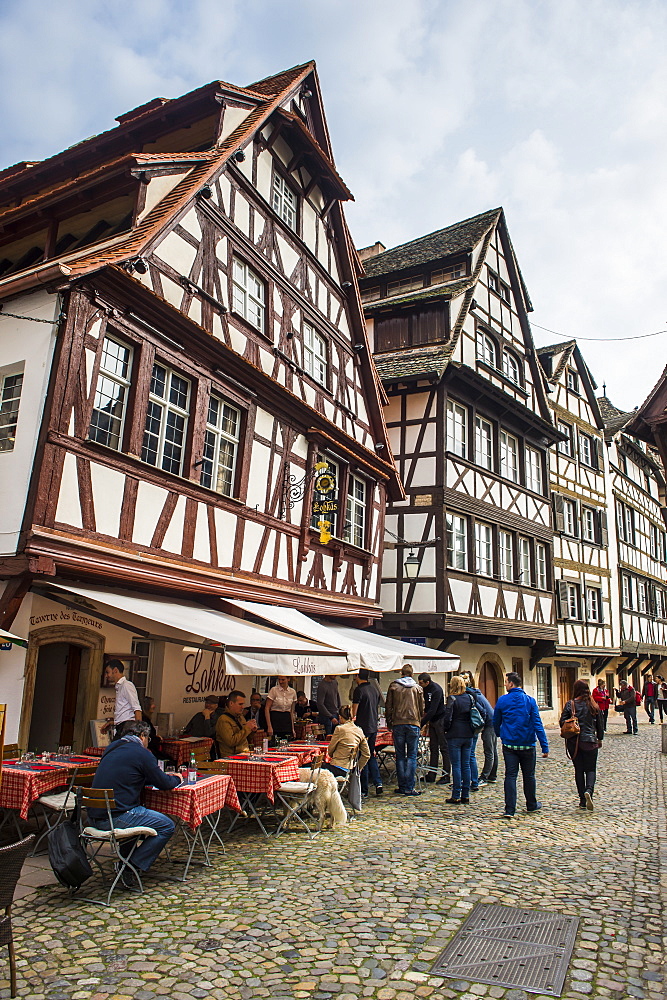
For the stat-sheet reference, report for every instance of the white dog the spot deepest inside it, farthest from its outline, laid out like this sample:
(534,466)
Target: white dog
(327,800)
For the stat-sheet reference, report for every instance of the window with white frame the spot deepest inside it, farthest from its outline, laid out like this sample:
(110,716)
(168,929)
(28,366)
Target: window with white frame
(483,443)
(573,601)
(111,392)
(493,282)
(484,548)
(533,469)
(544,691)
(10,398)
(314,354)
(221,443)
(166,420)
(641,596)
(626,589)
(509,456)
(593,604)
(626,523)
(586,450)
(506,548)
(524,562)
(486,348)
(405,285)
(457,428)
(248,294)
(656,542)
(355,511)
(659,603)
(565,447)
(457,542)
(511,368)
(570,517)
(284,201)
(541,566)
(572,380)
(588,524)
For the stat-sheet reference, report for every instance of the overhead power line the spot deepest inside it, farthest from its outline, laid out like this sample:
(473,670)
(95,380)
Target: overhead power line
(610,340)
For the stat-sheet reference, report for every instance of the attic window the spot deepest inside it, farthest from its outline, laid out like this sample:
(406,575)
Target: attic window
(449,273)
(284,201)
(370,294)
(499,287)
(572,380)
(405,285)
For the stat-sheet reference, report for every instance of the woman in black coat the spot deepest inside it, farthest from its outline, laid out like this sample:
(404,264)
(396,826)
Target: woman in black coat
(459,734)
(583,749)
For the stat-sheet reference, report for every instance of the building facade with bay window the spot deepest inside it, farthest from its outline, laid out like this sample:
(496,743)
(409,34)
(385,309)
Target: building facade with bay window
(470,427)
(186,344)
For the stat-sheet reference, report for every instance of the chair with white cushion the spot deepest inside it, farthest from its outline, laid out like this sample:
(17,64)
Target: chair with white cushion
(59,806)
(297,798)
(95,840)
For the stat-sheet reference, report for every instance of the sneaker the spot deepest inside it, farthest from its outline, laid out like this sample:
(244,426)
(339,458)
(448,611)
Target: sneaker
(379,790)
(491,781)
(535,808)
(589,801)
(507,816)
(481,783)
(412,793)
(445,780)
(130,881)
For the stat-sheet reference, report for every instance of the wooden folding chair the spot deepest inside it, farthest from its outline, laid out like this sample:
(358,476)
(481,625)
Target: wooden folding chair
(297,797)
(59,806)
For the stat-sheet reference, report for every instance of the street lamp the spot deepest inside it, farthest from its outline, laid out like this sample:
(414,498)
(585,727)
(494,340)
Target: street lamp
(411,566)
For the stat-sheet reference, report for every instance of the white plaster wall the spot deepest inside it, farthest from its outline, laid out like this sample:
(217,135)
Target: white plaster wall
(159,188)
(31,345)
(175,251)
(12,668)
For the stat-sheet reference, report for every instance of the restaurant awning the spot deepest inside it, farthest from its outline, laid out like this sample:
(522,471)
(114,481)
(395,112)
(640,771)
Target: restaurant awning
(10,637)
(248,648)
(366,649)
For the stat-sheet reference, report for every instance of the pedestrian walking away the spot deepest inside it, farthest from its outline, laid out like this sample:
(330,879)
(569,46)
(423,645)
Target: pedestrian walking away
(489,739)
(516,720)
(650,696)
(602,699)
(459,732)
(628,705)
(582,749)
(328,703)
(404,711)
(434,714)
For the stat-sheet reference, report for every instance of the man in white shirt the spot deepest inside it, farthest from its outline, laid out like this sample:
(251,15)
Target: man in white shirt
(128,708)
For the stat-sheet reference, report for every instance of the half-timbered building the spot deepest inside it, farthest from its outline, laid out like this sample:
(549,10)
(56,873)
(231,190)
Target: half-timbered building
(182,350)
(635,500)
(584,586)
(470,427)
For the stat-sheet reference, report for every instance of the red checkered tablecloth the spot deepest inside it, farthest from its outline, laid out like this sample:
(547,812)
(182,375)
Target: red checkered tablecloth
(192,802)
(262,776)
(94,751)
(306,751)
(180,750)
(384,738)
(20,788)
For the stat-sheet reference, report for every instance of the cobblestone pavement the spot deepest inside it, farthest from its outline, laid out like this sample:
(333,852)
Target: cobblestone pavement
(365,912)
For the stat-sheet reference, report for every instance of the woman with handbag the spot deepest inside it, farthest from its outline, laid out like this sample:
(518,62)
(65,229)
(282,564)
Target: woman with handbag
(582,727)
(602,699)
(459,734)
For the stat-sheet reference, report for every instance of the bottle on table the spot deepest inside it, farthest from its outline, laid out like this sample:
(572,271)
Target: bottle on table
(192,770)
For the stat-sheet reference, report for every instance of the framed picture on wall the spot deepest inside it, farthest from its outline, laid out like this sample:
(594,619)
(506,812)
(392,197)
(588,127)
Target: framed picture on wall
(98,738)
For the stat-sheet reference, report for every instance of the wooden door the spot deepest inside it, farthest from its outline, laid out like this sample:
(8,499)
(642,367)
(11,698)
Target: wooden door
(70,696)
(488,682)
(566,679)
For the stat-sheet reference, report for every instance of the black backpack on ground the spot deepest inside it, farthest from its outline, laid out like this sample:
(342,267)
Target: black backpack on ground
(67,857)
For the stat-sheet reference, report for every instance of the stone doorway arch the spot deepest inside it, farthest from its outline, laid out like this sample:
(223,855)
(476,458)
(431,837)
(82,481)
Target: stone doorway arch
(490,676)
(90,676)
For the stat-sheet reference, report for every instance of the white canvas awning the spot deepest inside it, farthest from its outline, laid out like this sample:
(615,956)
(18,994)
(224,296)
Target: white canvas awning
(248,648)
(10,637)
(364,649)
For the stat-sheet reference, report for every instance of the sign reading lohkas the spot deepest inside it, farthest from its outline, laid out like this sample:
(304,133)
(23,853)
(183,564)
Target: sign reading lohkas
(325,500)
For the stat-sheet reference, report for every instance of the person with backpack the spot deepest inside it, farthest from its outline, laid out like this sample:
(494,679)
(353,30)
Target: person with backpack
(486,711)
(459,732)
(627,697)
(582,747)
(516,720)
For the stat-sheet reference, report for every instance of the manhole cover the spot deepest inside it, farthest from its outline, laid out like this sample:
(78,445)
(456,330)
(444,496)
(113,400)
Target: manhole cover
(507,946)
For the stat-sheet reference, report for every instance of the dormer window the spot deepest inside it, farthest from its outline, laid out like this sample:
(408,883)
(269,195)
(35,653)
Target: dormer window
(405,285)
(450,273)
(499,287)
(284,201)
(572,380)
(486,349)
(511,368)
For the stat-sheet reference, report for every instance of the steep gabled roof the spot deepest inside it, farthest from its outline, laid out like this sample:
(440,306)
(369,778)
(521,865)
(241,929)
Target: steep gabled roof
(568,353)
(459,238)
(614,419)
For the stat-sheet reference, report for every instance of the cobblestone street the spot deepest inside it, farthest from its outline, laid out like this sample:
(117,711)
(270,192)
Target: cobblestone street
(365,912)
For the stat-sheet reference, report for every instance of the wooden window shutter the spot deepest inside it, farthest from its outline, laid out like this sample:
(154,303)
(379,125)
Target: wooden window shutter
(652,602)
(563,603)
(559,513)
(603,531)
(595,455)
(600,606)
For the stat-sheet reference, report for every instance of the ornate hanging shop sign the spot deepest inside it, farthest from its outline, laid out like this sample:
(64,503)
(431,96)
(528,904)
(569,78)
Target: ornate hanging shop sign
(325,500)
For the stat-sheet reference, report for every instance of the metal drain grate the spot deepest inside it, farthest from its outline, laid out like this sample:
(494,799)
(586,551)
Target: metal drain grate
(507,946)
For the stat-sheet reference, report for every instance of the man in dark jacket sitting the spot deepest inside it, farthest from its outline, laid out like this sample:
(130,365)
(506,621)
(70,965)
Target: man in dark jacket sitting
(202,724)
(434,700)
(127,767)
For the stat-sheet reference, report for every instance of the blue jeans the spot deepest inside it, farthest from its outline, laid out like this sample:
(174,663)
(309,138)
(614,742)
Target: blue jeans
(406,742)
(524,759)
(371,770)
(328,726)
(474,770)
(460,749)
(146,853)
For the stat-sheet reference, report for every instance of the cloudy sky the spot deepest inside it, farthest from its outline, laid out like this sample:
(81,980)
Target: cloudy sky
(438,110)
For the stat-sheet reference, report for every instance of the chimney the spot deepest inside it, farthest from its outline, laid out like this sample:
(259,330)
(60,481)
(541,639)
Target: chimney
(373,251)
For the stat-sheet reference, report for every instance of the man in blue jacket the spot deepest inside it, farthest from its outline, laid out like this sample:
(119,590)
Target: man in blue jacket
(516,719)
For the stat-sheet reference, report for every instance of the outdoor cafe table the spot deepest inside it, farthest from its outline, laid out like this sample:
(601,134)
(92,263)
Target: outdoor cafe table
(306,751)
(180,749)
(260,777)
(384,738)
(194,805)
(22,784)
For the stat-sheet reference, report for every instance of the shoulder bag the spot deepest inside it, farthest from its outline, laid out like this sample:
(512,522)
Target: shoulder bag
(476,717)
(571,726)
